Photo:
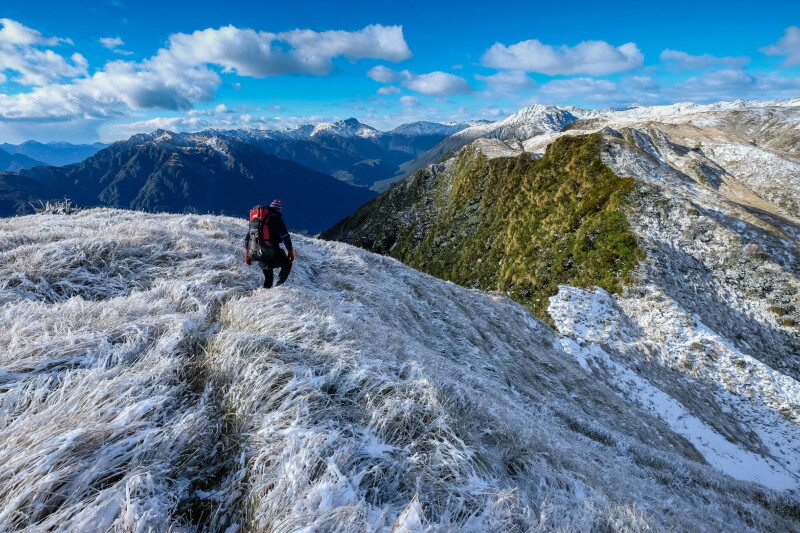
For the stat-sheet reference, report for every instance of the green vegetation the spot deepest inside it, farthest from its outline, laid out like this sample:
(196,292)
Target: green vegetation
(516,225)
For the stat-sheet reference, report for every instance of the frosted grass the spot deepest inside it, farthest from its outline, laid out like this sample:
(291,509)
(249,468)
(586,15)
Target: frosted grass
(147,386)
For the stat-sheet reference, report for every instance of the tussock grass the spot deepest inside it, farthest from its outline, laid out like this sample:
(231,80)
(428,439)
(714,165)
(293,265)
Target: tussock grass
(360,396)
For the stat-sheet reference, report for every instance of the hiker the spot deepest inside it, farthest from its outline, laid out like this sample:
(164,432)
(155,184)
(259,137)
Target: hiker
(263,242)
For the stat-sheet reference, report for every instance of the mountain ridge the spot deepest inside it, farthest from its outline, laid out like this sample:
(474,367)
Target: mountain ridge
(711,305)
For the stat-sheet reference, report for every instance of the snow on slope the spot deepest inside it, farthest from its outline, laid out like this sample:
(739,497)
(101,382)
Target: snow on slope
(593,328)
(146,385)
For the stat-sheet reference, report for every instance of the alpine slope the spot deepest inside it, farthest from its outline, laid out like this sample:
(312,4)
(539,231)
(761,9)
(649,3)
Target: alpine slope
(147,384)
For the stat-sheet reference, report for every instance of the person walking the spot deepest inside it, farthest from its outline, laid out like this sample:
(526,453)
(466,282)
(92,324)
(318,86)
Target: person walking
(262,243)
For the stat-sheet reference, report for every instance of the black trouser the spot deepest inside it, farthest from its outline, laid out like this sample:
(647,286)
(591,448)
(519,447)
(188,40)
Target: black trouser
(279,260)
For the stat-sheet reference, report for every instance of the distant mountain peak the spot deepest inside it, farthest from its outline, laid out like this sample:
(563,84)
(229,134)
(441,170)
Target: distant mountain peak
(350,127)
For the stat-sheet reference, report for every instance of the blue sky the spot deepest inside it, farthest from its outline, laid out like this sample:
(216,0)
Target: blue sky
(103,70)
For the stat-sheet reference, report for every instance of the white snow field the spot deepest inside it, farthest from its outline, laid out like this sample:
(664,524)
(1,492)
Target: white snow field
(147,384)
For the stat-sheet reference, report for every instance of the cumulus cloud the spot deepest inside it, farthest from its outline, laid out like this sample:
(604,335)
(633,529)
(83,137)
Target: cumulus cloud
(177,76)
(121,86)
(15,33)
(261,54)
(508,81)
(383,74)
(389,89)
(788,46)
(410,101)
(595,58)
(434,83)
(683,60)
(21,55)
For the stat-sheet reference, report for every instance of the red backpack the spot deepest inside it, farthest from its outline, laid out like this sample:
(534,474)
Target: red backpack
(259,248)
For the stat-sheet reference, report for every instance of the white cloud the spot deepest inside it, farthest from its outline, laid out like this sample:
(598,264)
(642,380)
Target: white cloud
(262,54)
(118,88)
(640,83)
(15,33)
(410,101)
(788,45)
(383,74)
(389,89)
(177,76)
(596,58)
(22,55)
(688,61)
(114,43)
(111,42)
(508,81)
(434,83)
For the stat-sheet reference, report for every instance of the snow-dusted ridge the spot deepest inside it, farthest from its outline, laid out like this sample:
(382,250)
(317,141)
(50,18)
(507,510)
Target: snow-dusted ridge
(347,128)
(146,384)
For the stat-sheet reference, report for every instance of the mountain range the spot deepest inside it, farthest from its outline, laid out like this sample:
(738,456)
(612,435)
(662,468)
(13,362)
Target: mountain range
(221,171)
(348,150)
(163,171)
(52,153)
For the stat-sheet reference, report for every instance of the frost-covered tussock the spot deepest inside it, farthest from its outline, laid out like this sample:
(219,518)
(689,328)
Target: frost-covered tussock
(146,386)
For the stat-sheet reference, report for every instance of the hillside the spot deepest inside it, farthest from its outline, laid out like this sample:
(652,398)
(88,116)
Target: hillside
(146,385)
(510,224)
(491,217)
(170,173)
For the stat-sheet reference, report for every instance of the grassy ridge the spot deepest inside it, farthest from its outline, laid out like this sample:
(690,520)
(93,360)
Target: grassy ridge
(517,225)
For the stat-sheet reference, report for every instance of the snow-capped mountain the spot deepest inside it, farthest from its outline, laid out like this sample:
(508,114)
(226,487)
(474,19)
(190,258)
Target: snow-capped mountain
(527,123)
(347,149)
(537,120)
(345,128)
(147,385)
